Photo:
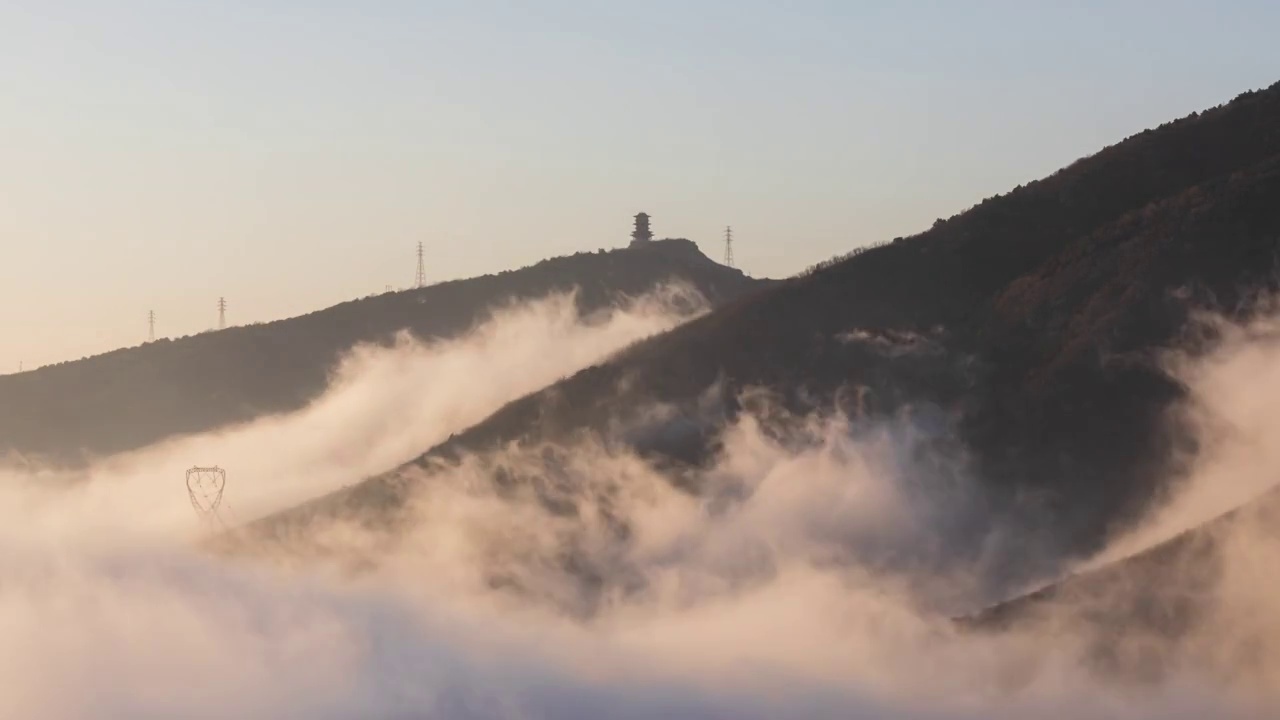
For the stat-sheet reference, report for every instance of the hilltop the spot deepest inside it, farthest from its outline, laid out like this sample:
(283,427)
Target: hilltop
(122,400)
(1029,326)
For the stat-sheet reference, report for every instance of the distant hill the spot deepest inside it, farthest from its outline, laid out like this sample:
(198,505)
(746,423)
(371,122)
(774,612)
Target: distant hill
(132,397)
(1029,324)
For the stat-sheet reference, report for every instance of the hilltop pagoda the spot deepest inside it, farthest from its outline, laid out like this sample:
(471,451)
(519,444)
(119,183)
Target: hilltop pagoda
(642,232)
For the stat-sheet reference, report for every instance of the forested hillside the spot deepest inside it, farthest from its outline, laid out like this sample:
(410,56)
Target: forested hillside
(1029,324)
(135,396)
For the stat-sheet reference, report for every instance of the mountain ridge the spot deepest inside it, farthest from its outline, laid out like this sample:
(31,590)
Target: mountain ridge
(1045,309)
(128,398)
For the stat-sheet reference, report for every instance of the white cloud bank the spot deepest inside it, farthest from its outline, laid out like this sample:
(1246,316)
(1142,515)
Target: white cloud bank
(788,587)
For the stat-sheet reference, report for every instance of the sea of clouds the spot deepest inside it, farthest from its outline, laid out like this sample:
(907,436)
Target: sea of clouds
(809,576)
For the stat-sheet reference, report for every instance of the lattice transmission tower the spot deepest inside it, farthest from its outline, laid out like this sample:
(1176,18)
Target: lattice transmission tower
(222,313)
(728,246)
(421,278)
(151,325)
(205,486)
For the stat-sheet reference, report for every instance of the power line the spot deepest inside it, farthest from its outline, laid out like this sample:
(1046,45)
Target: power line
(222,313)
(151,324)
(421,278)
(728,246)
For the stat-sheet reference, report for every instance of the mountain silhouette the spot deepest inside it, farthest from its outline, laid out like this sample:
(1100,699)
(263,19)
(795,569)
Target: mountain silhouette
(1029,326)
(121,400)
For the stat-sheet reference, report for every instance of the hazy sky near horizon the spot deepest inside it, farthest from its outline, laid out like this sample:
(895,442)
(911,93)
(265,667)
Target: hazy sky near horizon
(289,155)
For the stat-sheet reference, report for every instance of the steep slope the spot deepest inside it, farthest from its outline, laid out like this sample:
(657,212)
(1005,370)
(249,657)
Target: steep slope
(132,397)
(1201,599)
(1029,322)
(1164,588)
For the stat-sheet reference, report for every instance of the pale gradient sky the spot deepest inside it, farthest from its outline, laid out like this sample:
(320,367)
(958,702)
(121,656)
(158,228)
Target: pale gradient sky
(289,154)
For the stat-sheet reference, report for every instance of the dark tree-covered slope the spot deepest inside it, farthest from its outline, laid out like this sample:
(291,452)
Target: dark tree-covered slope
(132,397)
(1031,320)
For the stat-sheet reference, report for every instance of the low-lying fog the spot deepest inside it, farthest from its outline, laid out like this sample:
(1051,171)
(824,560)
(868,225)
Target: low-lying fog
(803,581)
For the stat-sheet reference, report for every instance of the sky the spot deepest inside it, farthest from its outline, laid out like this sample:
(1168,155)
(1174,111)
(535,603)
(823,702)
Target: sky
(289,155)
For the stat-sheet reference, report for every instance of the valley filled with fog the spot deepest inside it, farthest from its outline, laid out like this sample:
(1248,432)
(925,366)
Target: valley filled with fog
(812,574)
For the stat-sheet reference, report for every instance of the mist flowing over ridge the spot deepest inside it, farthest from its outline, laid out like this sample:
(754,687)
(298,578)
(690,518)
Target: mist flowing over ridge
(793,580)
(1026,329)
(74,412)
(382,404)
(752,505)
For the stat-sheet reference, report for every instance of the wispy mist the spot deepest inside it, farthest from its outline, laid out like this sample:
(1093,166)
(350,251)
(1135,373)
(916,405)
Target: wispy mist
(1234,409)
(384,406)
(796,575)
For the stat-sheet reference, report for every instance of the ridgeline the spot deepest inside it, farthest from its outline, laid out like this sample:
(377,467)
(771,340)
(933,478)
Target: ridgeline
(71,412)
(1029,326)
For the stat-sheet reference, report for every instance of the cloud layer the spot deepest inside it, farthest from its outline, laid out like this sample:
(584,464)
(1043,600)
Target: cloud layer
(803,574)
